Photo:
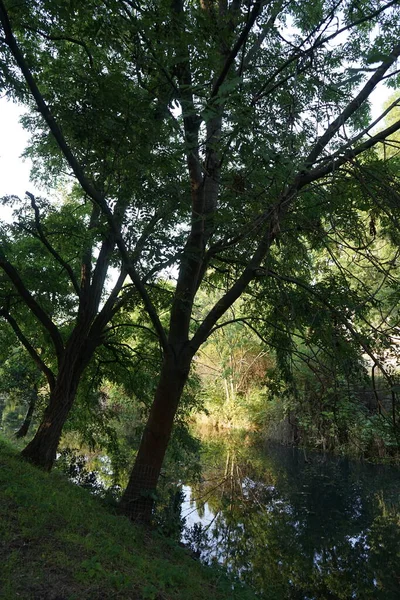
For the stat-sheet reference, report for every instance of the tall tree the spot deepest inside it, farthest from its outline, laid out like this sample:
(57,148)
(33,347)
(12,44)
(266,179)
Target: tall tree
(229,114)
(53,296)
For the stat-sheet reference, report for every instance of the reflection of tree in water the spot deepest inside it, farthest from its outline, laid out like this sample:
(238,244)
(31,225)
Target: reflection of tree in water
(300,528)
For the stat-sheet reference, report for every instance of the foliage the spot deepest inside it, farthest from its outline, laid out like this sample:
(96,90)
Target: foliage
(232,142)
(232,366)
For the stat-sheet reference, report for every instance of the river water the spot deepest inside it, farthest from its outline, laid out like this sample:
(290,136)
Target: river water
(296,526)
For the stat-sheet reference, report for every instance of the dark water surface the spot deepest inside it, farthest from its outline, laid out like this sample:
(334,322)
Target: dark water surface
(297,526)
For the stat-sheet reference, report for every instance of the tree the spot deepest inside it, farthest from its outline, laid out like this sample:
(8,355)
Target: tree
(273,104)
(52,289)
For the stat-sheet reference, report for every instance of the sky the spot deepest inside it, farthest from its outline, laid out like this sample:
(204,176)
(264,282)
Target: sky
(14,171)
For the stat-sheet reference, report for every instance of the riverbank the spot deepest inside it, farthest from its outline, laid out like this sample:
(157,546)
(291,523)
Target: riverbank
(57,542)
(372,445)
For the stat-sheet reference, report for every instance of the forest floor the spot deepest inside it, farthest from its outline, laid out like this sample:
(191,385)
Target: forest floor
(58,542)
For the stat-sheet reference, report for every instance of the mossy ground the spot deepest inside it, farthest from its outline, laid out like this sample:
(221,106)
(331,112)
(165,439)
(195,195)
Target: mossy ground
(57,542)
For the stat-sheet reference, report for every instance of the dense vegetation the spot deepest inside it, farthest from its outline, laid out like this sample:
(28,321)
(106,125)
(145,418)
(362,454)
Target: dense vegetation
(217,189)
(336,406)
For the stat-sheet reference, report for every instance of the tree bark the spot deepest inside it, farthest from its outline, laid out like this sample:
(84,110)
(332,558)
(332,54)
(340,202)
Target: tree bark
(138,499)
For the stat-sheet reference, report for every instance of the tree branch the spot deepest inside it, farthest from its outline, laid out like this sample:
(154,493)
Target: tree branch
(338,315)
(49,247)
(33,306)
(304,178)
(317,44)
(233,293)
(261,37)
(29,348)
(106,312)
(352,107)
(362,133)
(62,38)
(256,10)
(133,325)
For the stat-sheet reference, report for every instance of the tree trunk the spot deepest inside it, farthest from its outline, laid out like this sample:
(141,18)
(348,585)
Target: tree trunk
(41,450)
(138,499)
(23,430)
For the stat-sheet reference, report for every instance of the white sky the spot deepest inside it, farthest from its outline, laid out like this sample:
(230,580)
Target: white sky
(14,172)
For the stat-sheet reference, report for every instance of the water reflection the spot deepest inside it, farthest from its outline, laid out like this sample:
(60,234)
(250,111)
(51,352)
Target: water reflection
(297,527)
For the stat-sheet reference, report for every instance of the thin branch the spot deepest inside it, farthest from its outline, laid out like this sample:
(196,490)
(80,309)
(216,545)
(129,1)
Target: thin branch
(31,303)
(317,44)
(257,7)
(352,107)
(133,325)
(49,247)
(107,310)
(29,348)
(295,351)
(307,177)
(261,37)
(147,231)
(234,292)
(338,315)
(362,133)
(62,38)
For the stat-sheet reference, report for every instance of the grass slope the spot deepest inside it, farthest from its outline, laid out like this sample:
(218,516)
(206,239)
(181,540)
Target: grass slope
(57,542)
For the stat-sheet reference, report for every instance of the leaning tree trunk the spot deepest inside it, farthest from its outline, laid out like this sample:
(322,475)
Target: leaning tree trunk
(23,430)
(42,449)
(138,499)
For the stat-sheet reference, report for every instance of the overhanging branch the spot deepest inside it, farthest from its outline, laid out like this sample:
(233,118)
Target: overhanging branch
(236,48)
(307,177)
(352,107)
(356,336)
(49,247)
(33,306)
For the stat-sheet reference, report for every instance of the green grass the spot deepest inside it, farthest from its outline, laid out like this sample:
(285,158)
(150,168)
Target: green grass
(57,542)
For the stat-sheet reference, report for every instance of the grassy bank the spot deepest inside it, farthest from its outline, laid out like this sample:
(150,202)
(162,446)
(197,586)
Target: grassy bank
(57,542)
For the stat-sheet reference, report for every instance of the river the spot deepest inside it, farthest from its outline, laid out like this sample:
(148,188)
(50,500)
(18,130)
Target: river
(296,526)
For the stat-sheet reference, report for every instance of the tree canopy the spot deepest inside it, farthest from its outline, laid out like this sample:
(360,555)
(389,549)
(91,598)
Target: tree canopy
(227,141)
